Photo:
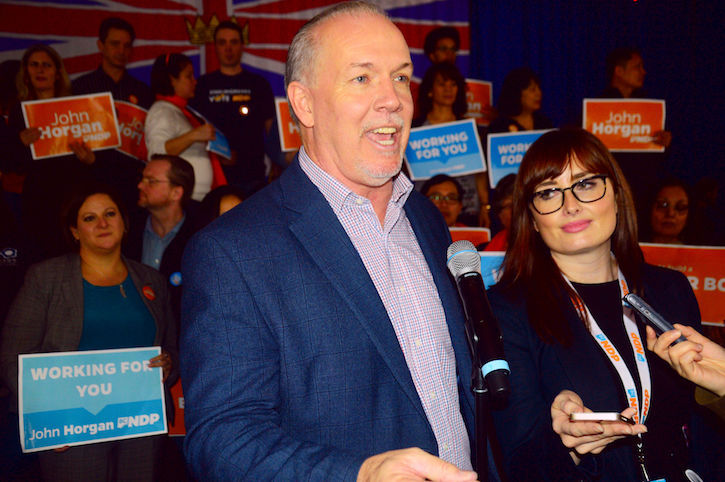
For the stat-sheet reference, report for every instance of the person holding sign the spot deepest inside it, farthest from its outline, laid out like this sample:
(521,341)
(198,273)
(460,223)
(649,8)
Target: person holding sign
(92,299)
(171,128)
(441,99)
(571,343)
(49,181)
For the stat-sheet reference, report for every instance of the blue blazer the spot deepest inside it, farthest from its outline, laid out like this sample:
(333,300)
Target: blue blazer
(539,371)
(291,367)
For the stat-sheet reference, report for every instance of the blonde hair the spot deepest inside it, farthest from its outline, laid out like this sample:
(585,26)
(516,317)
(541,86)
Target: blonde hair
(26,91)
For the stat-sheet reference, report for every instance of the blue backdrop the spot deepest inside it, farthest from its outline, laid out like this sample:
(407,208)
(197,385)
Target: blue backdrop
(566,44)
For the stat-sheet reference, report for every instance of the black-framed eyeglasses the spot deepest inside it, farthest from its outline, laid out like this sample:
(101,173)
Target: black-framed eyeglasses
(152,182)
(588,190)
(664,205)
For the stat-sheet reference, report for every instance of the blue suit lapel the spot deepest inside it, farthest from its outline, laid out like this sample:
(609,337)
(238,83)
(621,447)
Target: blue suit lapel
(318,230)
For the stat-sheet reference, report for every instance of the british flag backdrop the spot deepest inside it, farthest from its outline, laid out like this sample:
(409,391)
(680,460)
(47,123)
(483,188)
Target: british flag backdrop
(71,27)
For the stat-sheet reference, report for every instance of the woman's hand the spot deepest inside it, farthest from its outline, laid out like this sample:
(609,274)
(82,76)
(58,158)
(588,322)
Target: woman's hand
(29,135)
(587,437)
(698,359)
(82,152)
(204,133)
(662,138)
(163,361)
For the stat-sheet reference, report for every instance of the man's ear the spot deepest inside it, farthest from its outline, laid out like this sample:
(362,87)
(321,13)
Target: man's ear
(300,99)
(177,193)
(99,44)
(618,71)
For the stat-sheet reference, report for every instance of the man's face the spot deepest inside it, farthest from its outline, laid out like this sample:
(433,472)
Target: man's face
(361,106)
(632,74)
(155,190)
(228,46)
(116,50)
(445,51)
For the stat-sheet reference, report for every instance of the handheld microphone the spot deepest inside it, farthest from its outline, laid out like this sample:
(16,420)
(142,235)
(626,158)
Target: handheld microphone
(482,329)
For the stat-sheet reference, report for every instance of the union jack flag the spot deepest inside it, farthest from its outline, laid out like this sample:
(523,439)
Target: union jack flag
(71,27)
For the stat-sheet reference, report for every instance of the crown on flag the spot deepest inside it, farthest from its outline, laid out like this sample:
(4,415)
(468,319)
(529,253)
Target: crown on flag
(201,33)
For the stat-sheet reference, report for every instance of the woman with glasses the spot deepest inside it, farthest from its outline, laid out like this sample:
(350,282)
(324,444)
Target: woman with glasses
(571,343)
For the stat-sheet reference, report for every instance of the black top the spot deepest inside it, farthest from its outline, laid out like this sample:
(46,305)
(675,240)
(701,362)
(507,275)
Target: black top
(128,89)
(238,105)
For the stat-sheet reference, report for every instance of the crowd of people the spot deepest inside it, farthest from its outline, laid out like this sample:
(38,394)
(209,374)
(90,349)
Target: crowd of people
(312,320)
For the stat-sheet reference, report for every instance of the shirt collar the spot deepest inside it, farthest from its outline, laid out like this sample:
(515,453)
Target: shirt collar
(337,194)
(171,234)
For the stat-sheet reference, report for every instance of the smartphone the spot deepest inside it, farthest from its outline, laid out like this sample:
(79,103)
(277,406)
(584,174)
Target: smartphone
(650,315)
(599,417)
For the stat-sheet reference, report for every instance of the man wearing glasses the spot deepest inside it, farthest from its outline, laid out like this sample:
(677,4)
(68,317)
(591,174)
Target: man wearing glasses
(446,193)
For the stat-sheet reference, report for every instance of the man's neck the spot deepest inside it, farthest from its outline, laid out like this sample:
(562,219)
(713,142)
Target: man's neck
(164,219)
(114,73)
(231,69)
(624,89)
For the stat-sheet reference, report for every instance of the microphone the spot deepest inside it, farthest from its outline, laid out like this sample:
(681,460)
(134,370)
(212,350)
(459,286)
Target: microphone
(482,328)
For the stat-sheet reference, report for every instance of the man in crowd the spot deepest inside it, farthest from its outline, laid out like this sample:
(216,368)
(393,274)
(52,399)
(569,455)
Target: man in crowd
(321,334)
(442,44)
(241,105)
(159,238)
(625,73)
(115,43)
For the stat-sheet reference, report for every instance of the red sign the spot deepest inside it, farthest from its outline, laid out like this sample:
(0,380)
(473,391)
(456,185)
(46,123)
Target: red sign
(131,119)
(704,267)
(479,97)
(87,118)
(177,395)
(475,235)
(625,125)
(289,131)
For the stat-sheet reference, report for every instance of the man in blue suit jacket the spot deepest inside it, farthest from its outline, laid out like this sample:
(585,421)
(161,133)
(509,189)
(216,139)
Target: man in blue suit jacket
(291,346)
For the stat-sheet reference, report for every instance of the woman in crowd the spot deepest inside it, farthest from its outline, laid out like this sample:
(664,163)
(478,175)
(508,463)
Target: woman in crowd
(501,207)
(441,99)
(49,181)
(171,128)
(668,214)
(217,202)
(519,103)
(572,255)
(92,299)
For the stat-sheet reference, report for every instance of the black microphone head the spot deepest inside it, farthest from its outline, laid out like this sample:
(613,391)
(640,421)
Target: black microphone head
(463,258)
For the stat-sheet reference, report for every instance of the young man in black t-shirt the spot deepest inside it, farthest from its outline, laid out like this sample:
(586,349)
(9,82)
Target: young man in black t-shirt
(241,105)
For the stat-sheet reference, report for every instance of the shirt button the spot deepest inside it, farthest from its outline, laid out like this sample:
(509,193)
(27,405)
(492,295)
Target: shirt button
(418,342)
(446,446)
(432,395)
(359,201)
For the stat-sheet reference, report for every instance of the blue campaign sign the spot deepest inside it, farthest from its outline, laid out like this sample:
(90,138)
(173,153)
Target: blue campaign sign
(452,148)
(75,398)
(490,266)
(220,145)
(505,151)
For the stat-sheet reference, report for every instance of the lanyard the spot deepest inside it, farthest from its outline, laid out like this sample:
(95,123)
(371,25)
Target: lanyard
(630,389)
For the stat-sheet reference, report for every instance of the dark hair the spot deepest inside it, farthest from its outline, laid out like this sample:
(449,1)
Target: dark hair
(516,81)
(447,72)
(167,66)
(646,226)
(69,213)
(528,265)
(229,25)
(432,38)
(440,179)
(8,90)
(117,23)
(181,173)
(26,91)
(209,208)
(619,58)
(503,190)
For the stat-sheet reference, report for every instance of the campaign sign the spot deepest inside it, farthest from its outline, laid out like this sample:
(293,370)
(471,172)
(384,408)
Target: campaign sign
(178,428)
(491,266)
(82,397)
(704,267)
(87,118)
(475,235)
(505,152)
(479,97)
(289,131)
(452,148)
(131,119)
(219,145)
(625,125)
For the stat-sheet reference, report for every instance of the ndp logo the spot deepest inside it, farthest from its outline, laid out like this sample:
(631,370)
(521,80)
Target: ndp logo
(138,420)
